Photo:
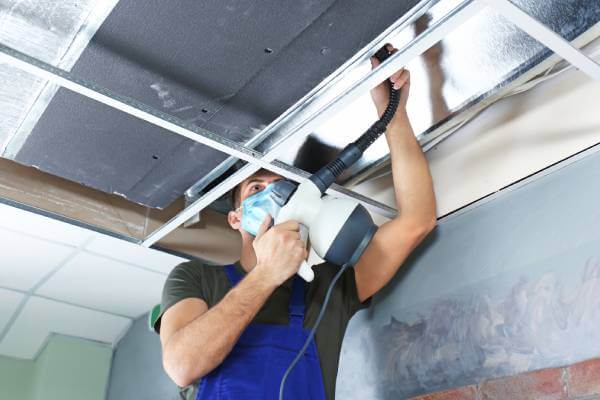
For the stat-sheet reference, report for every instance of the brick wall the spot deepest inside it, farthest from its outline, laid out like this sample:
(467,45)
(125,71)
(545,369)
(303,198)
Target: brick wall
(579,381)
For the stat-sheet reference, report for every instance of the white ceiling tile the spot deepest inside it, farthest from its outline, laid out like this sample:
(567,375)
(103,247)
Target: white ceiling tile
(40,317)
(134,253)
(25,260)
(106,285)
(41,226)
(9,301)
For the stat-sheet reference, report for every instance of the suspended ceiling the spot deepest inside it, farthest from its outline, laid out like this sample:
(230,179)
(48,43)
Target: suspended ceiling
(59,278)
(231,68)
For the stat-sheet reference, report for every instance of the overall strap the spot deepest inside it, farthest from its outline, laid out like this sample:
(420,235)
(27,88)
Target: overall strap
(296,307)
(233,276)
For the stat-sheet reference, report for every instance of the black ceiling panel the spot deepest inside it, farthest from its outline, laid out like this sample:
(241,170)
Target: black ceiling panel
(227,66)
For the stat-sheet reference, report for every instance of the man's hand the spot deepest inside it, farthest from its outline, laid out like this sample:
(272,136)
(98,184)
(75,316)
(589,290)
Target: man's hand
(400,81)
(279,250)
(196,339)
(413,187)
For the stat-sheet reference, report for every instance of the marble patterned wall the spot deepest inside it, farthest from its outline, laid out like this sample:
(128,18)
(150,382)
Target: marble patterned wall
(509,286)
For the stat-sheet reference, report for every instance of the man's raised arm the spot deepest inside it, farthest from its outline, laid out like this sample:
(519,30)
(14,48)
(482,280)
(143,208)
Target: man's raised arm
(413,189)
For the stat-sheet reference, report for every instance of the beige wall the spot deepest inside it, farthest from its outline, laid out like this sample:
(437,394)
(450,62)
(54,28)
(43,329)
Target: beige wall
(512,139)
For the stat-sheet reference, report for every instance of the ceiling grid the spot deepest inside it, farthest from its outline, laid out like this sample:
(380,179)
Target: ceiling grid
(453,14)
(104,281)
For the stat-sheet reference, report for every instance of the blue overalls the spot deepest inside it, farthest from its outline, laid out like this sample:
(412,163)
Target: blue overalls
(257,362)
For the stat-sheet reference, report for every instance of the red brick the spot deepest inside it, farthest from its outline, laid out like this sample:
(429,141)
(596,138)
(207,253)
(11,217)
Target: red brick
(584,378)
(462,393)
(546,384)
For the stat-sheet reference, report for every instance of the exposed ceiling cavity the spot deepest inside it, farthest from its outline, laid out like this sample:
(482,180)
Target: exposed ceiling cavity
(232,67)
(228,66)
(56,32)
(481,62)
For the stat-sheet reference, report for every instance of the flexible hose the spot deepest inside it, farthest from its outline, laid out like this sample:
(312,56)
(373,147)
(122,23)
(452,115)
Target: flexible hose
(379,126)
(352,153)
(312,331)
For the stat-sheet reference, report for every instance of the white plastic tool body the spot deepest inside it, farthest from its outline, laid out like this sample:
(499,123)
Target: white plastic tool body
(302,207)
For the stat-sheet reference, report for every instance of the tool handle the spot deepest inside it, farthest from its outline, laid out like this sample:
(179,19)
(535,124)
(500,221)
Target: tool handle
(305,270)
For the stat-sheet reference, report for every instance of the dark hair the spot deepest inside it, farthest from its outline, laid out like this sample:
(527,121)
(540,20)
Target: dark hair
(235,196)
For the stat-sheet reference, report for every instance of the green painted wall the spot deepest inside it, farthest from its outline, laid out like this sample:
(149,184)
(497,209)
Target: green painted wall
(67,369)
(71,368)
(15,378)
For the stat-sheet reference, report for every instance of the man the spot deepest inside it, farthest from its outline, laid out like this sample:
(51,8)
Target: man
(216,320)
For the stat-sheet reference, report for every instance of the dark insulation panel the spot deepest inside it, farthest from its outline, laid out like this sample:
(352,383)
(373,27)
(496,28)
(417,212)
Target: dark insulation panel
(228,66)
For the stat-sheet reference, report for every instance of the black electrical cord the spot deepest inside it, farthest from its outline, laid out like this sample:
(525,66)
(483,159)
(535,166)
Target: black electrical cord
(352,152)
(313,330)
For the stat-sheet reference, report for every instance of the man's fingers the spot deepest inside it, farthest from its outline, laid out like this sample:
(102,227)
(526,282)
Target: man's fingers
(293,235)
(264,226)
(374,62)
(402,79)
(397,75)
(290,226)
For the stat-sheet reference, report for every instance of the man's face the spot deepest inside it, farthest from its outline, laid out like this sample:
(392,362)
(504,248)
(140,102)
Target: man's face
(256,183)
(252,185)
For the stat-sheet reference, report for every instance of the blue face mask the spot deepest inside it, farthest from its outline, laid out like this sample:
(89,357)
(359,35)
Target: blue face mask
(266,202)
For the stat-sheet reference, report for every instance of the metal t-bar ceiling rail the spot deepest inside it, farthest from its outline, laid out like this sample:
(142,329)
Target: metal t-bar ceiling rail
(142,111)
(455,18)
(130,106)
(325,90)
(318,96)
(304,127)
(545,36)
(313,117)
(243,173)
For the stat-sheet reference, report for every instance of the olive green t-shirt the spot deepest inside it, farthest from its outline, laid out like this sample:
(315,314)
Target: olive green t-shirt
(196,280)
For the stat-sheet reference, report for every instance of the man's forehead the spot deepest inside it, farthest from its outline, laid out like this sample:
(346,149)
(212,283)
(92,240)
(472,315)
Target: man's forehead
(262,175)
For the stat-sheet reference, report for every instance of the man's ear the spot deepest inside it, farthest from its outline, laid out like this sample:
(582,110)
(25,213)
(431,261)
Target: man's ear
(234,218)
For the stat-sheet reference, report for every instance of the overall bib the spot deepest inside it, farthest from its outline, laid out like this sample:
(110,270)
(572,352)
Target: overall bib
(257,362)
